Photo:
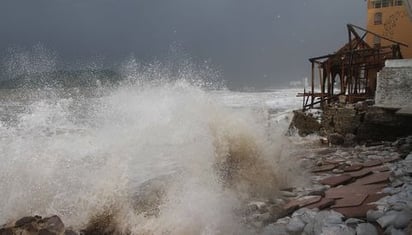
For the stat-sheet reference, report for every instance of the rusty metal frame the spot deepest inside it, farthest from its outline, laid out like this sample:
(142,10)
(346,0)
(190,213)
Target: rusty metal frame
(356,64)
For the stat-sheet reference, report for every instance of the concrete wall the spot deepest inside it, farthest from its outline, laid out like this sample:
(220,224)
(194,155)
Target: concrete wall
(394,84)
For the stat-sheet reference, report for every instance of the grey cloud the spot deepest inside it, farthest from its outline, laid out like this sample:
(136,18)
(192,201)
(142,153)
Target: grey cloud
(254,43)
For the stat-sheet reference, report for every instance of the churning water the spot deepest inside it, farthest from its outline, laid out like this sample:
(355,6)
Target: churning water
(164,154)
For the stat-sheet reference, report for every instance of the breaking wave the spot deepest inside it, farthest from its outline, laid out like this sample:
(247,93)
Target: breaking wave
(158,153)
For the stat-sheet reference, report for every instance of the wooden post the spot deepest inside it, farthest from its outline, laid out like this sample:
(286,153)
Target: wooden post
(313,84)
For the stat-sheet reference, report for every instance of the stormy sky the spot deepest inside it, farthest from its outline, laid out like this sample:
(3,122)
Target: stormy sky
(253,43)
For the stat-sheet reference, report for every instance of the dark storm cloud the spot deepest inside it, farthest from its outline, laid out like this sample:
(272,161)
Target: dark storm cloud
(253,42)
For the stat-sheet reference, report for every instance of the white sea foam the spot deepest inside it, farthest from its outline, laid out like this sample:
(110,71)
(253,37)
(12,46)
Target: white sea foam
(79,155)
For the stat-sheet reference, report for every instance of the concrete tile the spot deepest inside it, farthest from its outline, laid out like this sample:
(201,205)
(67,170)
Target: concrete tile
(374,178)
(336,180)
(322,204)
(323,168)
(350,200)
(302,202)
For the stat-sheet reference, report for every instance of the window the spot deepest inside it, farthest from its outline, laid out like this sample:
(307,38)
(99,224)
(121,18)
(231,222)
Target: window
(398,3)
(377,18)
(386,3)
(376,41)
(377,4)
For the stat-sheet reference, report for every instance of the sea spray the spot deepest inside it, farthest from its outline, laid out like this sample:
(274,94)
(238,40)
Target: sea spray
(161,155)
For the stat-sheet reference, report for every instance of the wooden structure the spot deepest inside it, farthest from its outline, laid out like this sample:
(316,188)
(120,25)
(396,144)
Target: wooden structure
(349,75)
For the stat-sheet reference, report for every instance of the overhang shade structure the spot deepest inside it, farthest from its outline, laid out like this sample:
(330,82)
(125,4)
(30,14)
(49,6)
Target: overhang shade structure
(350,73)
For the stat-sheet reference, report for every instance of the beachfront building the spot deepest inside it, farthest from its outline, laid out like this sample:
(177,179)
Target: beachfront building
(349,74)
(391,19)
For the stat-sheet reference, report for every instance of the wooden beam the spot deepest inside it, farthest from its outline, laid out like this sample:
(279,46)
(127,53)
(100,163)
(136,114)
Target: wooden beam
(380,36)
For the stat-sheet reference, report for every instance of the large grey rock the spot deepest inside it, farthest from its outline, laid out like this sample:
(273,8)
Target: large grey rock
(295,225)
(373,216)
(409,157)
(337,229)
(306,215)
(388,219)
(272,229)
(326,218)
(366,229)
(308,230)
(353,222)
(393,231)
(402,219)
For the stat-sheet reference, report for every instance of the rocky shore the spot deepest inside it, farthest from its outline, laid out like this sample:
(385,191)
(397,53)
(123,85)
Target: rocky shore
(364,190)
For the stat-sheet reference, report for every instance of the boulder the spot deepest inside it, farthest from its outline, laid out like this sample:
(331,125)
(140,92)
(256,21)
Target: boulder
(305,123)
(402,219)
(338,229)
(336,139)
(274,229)
(366,229)
(36,225)
(296,225)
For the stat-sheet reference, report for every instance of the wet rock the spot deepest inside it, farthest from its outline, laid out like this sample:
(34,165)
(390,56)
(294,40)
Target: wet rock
(70,232)
(274,229)
(305,123)
(53,224)
(276,212)
(408,157)
(36,225)
(25,220)
(366,229)
(373,216)
(6,231)
(46,232)
(338,229)
(399,206)
(402,219)
(336,139)
(349,140)
(409,228)
(306,215)
(288,194)
(264,218)
(393,231)
(295,225)
(352,222)
(337,171)
(150,195)
(308,229)
(324,218)
(260,207)
(387,219)
(251,208)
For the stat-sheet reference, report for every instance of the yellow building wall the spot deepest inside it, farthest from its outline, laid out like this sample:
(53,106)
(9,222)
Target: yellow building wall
(396,25)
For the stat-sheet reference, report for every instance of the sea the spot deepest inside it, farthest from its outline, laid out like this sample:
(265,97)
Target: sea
(158,151)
